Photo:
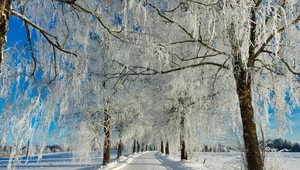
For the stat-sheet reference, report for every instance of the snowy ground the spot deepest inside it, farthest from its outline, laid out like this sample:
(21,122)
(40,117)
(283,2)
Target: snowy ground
(156,161)
(58,161)
(232,161)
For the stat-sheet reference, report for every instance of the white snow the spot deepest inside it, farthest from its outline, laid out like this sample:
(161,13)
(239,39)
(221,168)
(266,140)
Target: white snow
(154,160)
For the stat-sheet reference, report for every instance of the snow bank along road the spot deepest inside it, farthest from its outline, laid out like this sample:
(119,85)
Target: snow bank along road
(154,161)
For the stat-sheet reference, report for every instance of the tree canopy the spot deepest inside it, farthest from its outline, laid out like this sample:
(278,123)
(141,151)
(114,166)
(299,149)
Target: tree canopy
(180,71)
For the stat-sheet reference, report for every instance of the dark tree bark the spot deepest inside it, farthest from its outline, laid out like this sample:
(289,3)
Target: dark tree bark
(243,86)
(134,146)
(142,150)
(243,79)
(27,152)
(167,148)
(162,147)
(4,20)
(138,146)
(146,147)
(120,148)
(183,152)
(106,149)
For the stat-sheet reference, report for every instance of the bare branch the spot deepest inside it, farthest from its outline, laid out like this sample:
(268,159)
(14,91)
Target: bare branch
(197,2)
(172,10)
(67,1)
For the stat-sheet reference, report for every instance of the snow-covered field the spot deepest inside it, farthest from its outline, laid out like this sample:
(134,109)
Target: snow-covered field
(58,161)
(155,160)
(232,161)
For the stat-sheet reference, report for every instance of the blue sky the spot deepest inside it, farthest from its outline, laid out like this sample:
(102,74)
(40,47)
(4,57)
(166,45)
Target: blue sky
(295,137)
(17,34)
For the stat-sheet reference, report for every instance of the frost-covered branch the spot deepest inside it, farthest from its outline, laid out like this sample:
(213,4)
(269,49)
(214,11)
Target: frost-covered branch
(189,34)
(253,30)
(149,71)
(44,33)
(289,67)
(262,47)
(281,59)
(98,16)
(269,67)
(31,48)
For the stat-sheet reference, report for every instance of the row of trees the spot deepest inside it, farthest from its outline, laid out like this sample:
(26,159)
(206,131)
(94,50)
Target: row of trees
(6,151)
(284,145)
(154,70)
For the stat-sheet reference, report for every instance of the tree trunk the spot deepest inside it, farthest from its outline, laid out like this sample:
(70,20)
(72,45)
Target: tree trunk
(138,146)
(106,149)
(120,148)
(162,147)
(4,19)
(243,86)
(134,146)
(146,147)
(183,151)
(27,152)
(142,147)
(167,148)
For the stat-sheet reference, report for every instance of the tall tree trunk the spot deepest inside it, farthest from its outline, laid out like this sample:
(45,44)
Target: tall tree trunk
(4,19)
(27,152)
(138,146)
(134,146)
(106,149)
(263,147)
(167,148)
(142,147)
(183,151)
(146,147)
(243,86)
(120,148)
(162,147)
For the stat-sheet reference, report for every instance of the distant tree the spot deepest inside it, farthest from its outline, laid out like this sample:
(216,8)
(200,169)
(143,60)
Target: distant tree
(296,147)
(285,145)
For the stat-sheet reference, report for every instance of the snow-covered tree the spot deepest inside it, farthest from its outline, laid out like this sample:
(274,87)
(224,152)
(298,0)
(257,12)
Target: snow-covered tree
(251,44)
(248,49)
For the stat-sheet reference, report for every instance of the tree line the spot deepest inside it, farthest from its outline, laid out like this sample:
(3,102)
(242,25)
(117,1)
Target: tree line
(5,151)
(283,145)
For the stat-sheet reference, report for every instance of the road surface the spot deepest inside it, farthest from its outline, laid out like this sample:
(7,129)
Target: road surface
(153,161)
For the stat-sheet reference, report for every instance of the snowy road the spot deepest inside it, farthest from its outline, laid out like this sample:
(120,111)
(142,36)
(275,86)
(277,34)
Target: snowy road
(154,160)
